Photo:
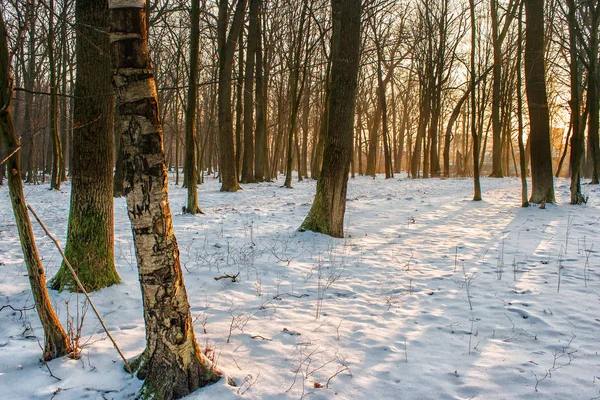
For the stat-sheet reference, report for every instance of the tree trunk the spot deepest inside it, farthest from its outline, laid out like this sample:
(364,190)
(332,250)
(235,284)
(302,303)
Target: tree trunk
(190,171)
(227,44)
(28,136)
(522,155)
(496,85)
(172,364)
(90,234)
(55,339)
(118,178)
(535,86)
(327,212)
(577,141)
(261,159)
(593,104)
(53,118)
(253,38)
(476,147)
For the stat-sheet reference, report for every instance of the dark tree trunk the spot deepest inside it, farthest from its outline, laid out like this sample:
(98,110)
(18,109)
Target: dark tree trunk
(327,212)
(261,159)
(90,234)
(28,137)
(191,179)
(53,109)
(227,45)
(577,141)
(522,155)
(475,136)
(535,86)
(172,364)
(253,38)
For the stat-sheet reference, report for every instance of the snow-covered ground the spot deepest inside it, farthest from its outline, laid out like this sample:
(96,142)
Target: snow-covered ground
(429,296)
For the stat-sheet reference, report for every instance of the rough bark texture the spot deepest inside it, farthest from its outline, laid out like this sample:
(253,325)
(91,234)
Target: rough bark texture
(535,86)
(90,235)
(55,338)
(172,364)
(191,180)
(327,212)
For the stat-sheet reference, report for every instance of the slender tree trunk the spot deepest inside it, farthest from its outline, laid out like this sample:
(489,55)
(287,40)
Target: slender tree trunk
(227,44)
(535,86)
(327,212)
(253,38)
(28,136)
(522,155)
(593,104)
(496,86)
(261,159)
(476,147)
(239,107)
(577,141)
(54,133)
(172,364)
(55,339)
(564,152)
(64,131)
(191,179)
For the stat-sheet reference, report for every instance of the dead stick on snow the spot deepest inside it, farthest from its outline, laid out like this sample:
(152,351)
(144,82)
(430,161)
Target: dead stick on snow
(68,264)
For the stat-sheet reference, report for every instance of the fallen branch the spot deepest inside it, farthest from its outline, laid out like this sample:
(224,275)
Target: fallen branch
(227,276)
(79,284)
(260,337)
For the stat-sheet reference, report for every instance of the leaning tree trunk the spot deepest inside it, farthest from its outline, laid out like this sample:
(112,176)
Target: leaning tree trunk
(55,338)
(172,364)
(535,86)
(329,205)
(191,179)
(90,235)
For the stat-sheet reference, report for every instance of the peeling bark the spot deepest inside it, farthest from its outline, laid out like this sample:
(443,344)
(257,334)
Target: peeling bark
(172,364)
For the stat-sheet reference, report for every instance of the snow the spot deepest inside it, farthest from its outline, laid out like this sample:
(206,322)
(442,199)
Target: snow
(381,314)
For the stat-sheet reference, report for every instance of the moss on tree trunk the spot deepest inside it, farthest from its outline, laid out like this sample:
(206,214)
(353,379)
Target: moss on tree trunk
(329,205)
(90,234)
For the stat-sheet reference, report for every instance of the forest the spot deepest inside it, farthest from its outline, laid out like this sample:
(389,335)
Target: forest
(298,199)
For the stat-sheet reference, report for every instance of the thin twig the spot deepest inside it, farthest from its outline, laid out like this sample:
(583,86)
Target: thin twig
(80,285)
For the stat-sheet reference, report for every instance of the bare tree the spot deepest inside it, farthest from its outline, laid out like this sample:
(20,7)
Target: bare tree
(539,119)
(55,339)
(172,364)
(327,212)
